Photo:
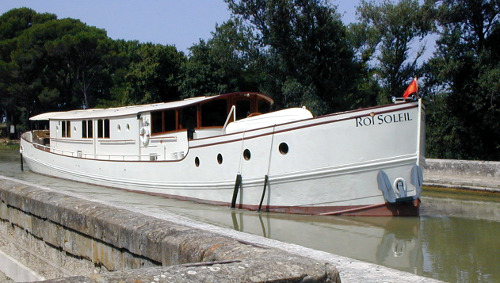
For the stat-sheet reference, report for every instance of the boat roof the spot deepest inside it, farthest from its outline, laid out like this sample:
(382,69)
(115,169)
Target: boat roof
(136,109)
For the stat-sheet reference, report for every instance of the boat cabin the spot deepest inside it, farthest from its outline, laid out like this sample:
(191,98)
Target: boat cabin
(144,131)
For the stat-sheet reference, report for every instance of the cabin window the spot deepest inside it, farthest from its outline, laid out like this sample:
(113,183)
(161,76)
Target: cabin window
(100,132)
(90,129)
(263,106)
(66,129)
(103,128)
(243,109)
(214,113)
(106,128)
(87,129)
(156,122)
(188,118)
(163,121)
(169,120)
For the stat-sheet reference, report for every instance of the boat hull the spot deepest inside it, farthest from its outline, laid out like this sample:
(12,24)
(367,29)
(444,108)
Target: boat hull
(326,165)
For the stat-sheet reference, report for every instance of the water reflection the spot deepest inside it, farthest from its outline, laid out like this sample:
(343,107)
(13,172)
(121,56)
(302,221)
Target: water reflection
(387,241)
(454,240)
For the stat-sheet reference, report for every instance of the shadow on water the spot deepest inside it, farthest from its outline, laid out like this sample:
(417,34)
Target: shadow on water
(454,239)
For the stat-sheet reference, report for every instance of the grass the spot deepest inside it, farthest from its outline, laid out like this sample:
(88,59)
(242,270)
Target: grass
(6,144)
(460,194)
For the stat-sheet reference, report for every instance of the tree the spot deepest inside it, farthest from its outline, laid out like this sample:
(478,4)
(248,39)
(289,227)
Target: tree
(63,58)
(153,73)
(388,32)
(84,56)
(307,58)
(364,40)
(225,63)
(12,98)
(464,74)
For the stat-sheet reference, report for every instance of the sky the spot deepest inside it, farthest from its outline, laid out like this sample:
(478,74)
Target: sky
(181,23)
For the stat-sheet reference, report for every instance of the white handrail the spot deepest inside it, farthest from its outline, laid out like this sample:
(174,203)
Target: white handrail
(233,110)
(94,156)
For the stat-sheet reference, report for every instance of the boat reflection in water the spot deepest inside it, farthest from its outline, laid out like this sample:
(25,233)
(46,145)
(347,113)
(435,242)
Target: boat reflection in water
(389,241)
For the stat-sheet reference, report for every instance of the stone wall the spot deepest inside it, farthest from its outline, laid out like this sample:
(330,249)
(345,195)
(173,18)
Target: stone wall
(476,175)
(61,236)
(468,168)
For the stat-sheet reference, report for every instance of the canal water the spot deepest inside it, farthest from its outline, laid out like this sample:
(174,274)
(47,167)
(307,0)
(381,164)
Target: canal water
(456,239)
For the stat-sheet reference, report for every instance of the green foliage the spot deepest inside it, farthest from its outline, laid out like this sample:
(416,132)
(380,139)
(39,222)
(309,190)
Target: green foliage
(303,46)
(15,21)
(464,74)
(222,64)
(65,55)
(153,74)
(47,96)
(12,96)
(391,30)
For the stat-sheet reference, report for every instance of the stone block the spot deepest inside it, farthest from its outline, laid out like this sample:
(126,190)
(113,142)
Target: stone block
(130,261)
(78,244)
(106,256)
(4,212)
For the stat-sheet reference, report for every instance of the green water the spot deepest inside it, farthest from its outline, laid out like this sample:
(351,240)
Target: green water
(456,239)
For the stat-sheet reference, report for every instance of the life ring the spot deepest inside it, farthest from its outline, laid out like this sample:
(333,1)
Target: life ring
(144,136)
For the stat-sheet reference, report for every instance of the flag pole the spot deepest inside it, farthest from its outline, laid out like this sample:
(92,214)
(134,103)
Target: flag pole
(416,81)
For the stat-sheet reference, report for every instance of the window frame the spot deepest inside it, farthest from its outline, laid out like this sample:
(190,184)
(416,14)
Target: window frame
(66,128)
(103,129)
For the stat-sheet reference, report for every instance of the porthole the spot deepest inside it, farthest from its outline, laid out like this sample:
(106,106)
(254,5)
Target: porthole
(197,162)
(128,127)
(74,129)
(283,148)
(246,154)
(119,128)
(219,158)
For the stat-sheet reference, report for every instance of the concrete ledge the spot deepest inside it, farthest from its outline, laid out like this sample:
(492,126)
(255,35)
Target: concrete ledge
(58,235)
(463,174)
(468,168)
(237,271)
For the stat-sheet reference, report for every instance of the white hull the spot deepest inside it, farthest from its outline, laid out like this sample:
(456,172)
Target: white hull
(331,165)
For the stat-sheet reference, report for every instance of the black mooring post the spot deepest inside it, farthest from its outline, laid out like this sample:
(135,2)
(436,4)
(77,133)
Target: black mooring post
(22,166)
(266,179)
(237,186)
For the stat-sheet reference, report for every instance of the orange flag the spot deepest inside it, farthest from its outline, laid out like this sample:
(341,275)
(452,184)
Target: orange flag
(412,88)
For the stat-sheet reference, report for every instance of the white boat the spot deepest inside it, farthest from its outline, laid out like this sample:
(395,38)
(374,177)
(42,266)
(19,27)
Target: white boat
(232,150)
